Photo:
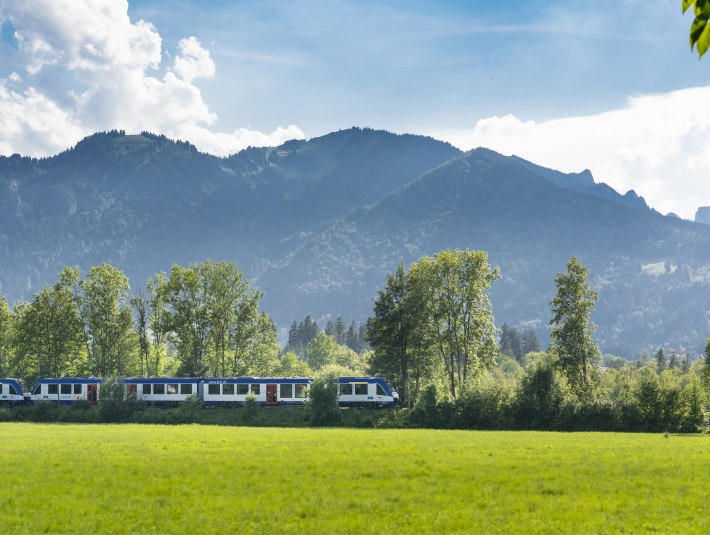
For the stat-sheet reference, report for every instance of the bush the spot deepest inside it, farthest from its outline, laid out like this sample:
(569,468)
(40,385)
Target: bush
(323,403)
(250,411)
(116,404)
(539,398)
(426,411)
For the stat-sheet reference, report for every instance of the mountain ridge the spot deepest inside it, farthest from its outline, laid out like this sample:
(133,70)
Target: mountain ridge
(318,223)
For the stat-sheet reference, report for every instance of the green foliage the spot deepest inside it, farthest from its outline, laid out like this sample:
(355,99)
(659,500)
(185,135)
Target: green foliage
(540,397)
(572,328)
(460,326)
(396,335)
(48,335)
(6,330)
(116,403)
(324,350)
(700,29)
(323,401)
(213,315)
(290,365)
(250,410)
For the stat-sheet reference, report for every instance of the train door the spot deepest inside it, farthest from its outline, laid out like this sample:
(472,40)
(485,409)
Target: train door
(91,394)
(271,397)
(133,391)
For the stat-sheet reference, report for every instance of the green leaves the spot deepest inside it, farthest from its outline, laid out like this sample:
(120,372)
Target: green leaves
(700,29)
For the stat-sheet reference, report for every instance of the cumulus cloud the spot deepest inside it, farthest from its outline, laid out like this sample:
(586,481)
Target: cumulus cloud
(112,66)
(657,145)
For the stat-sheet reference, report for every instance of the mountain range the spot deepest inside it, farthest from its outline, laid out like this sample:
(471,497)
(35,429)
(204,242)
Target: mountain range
(318,224)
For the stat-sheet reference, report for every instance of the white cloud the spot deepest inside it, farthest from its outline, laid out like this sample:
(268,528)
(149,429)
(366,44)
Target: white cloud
(658,145)
(111,66)
(193,61)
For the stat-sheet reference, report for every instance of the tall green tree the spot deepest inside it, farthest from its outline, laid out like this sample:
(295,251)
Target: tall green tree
(661,363)
(6,329)
(706,367)
(187,318)
(213,316)
(49,335)
(395,335)
(572,328)
(461,328)
(108,320)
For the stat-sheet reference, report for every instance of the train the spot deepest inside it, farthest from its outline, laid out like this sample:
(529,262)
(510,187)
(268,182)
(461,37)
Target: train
(211,391)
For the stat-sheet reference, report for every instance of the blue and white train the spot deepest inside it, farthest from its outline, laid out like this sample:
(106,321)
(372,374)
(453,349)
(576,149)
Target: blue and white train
(218,391)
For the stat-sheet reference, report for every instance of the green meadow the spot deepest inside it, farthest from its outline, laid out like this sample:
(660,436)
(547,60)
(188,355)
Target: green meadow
(209,479)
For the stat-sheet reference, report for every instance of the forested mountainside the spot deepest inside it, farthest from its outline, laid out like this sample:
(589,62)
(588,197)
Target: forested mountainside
(317,225)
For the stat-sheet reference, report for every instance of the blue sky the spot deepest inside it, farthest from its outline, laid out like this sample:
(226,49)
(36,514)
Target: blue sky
(606,85)
(429,65)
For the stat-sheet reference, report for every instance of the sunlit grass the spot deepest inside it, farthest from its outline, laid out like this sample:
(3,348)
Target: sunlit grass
(206,479)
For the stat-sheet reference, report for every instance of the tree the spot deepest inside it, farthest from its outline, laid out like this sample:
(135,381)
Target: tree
(661,364)
(460,326)
(706,366)
(6,328)
(294,339)
(529,342)
(308,329)
(700,29)
(395,334)
(321,351)
(351,338)
(323,400)
(290,365)
(139,302)
(49,334)
(510,343)
(108,320)
(213,315)
(341,330)
(572,328)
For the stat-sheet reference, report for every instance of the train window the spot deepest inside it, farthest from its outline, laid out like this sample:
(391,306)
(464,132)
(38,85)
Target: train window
(286,391)
(77,389)
(228,390)
(242,390)
(146,389)
(52,389)
(380,391)
(172,389)
(66,389)
(361,389)
(13,392)
(186,389)
(213,390)
(346,389)
(158,389)
(38,390)
(255,389)
(301,391)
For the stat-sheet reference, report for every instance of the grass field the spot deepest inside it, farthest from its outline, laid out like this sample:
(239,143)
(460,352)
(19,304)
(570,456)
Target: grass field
(179,479)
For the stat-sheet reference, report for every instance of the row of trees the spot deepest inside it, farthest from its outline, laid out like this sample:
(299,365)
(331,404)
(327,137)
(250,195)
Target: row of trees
(432,331)
(198,320)
(302,333)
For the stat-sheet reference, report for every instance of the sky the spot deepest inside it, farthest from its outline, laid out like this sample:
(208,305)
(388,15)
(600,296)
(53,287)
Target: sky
(609,85)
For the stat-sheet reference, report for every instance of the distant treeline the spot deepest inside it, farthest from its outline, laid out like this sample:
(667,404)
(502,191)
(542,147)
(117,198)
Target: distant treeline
(431,332)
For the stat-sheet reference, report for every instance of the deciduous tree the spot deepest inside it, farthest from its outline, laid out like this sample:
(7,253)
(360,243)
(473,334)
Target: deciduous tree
(572,328)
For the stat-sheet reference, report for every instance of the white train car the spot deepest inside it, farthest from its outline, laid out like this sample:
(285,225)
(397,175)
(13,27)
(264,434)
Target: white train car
(67,390)
(266,390)
(163,390)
